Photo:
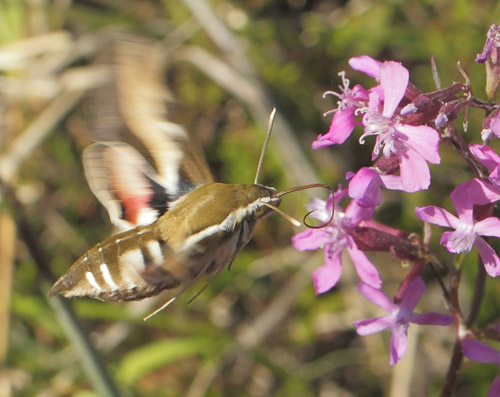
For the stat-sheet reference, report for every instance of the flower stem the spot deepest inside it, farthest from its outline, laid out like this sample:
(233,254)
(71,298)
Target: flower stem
(477,298)
(455,363)
(457,356)
(463,148)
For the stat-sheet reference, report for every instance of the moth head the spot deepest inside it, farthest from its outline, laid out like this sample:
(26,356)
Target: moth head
(267,197)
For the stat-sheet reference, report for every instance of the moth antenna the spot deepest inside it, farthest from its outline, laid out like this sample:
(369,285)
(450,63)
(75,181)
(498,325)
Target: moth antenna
(304,187)
(266,143)
(289,218)
(172,300)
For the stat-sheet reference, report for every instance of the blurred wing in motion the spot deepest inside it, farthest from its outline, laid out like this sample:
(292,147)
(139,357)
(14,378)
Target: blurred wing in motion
(136,184)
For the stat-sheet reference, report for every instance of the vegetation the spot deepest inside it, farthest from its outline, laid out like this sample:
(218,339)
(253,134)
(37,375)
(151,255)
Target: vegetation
(258,329)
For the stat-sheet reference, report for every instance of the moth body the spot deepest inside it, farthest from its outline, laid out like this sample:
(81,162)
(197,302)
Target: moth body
(203,230)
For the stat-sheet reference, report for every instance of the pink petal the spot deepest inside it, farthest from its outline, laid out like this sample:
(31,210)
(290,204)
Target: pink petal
(378,91)
(488,227)
(478,351)
(366,64)
(342,124)
(461,200)
(495,126)
(364,187)
(494,178)
(310,239)
(437,215)
(394,79)
(359,93)
(340,194)
(354,214)
(449,244)
(371,325)
(489,257)
(377,297)
(367,272)
(474,191)
(399,343)
(328,275)
(424,140)
(392,182)
(495,387)
(486,156)
(374,103)
(431,319)
(415,174)
(413,294)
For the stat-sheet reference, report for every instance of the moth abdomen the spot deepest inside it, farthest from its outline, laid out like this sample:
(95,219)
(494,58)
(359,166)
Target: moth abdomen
(127,266)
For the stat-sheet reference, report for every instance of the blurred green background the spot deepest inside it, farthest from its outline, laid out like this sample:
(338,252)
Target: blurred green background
(258,330)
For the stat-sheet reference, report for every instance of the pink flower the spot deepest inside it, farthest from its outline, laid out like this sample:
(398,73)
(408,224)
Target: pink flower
(335,238)
(414,146)
(343,121)
(467,231)
(398,317)
(478,351)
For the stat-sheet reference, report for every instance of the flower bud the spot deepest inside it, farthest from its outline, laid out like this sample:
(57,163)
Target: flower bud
(425,107)
(372,239)
(490,56)
(491,125)
(450,111)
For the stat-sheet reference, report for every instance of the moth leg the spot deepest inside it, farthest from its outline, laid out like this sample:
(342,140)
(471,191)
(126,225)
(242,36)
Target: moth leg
(210,281)
(189,284)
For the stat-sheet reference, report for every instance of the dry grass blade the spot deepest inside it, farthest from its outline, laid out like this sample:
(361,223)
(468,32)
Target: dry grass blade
(34,134)
(7,244)
(21,54)
(231,47)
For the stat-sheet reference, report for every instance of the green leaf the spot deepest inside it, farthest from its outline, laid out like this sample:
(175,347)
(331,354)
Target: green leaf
(155,355)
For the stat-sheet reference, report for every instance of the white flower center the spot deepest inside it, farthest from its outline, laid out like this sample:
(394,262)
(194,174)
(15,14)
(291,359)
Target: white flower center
(462,239)
(346,96)
(337,232)
(389,140)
